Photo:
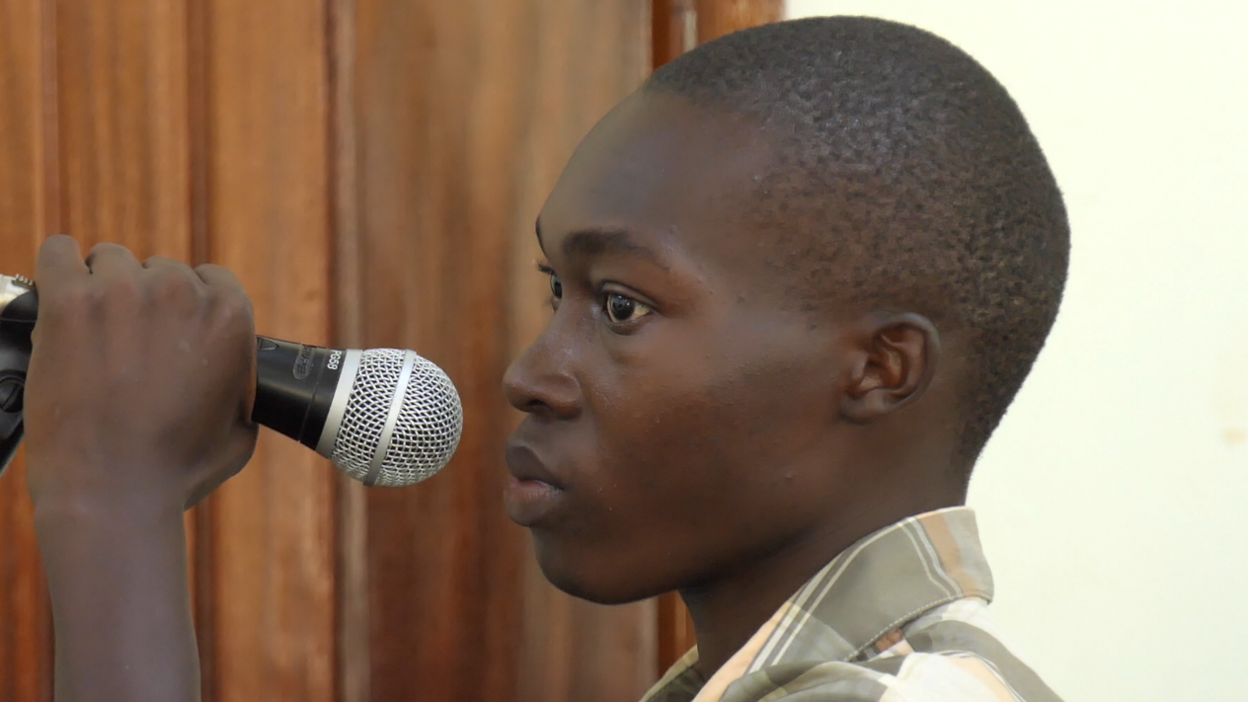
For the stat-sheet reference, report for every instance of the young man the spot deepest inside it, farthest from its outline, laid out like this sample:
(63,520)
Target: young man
(797,280)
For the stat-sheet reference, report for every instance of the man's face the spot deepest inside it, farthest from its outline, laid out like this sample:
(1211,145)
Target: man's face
(679,405)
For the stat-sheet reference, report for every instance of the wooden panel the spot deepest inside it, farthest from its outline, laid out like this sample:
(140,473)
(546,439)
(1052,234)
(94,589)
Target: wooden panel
(353,663)
(680,25)
(203,130)
(464,114)
(719,17)
(674,29)
(675,630)
(25,620)
(273,536)
(26,633)
(124,144)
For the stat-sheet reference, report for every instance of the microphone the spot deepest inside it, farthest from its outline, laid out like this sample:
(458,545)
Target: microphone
(383,416)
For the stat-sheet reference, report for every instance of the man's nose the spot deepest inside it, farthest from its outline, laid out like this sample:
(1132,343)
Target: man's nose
(542,381)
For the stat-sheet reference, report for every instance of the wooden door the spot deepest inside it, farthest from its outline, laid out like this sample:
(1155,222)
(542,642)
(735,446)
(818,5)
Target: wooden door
(372,170)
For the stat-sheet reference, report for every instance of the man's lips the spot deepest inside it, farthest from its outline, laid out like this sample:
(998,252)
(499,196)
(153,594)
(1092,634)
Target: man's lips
(534,491)
(525,466)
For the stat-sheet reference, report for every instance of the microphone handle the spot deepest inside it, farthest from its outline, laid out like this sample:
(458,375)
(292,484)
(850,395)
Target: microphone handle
(301,391)
(19,306)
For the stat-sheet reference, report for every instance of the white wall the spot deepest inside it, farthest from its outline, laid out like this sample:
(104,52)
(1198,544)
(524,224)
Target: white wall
(1114,498)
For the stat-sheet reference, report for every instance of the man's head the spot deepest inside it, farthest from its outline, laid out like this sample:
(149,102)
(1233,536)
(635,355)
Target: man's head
(799,277)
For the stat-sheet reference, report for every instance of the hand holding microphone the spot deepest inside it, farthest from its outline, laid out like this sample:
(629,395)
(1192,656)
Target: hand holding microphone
(141,380)
(137,384)
(143,385)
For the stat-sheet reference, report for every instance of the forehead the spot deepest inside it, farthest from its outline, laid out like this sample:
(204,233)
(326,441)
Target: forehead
(659,165)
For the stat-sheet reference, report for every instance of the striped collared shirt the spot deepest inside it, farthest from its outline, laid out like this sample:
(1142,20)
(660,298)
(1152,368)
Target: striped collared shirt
(900,616)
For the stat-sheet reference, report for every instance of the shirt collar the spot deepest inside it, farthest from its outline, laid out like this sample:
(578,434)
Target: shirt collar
(871,589)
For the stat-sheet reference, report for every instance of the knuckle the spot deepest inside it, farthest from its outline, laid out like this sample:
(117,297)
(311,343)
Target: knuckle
(58,246)
(82,297)
(233,310)
(208,269)
(125,292)
(71,305)
(61,303)
(105,247)
(173,282)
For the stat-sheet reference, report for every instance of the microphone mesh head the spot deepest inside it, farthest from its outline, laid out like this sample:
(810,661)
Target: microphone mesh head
(425,434)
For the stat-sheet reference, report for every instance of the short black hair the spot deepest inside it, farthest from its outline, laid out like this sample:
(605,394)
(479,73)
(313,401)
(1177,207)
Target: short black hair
(905,178)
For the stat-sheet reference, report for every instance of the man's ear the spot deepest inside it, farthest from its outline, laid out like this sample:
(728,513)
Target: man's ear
(892,365)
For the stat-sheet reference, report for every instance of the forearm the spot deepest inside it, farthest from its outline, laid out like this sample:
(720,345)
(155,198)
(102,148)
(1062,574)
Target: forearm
(137,403)
(120,604)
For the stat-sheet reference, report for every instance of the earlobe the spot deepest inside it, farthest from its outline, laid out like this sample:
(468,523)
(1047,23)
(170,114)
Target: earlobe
(893,366)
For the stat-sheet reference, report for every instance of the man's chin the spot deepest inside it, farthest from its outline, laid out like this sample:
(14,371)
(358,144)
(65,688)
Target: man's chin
(579,577)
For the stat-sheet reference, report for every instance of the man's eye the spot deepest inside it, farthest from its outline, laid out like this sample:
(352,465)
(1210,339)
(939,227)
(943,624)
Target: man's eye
(556,287)
(622,310)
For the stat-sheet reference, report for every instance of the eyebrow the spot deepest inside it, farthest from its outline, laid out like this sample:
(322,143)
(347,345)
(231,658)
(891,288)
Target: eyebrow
(588,243)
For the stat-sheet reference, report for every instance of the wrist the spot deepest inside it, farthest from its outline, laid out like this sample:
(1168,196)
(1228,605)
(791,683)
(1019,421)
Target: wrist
(84,516)
(121,609)
(86,490)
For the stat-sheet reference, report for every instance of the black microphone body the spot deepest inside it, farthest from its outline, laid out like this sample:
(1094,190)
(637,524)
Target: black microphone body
(17,321)
(295,384)
(295,388)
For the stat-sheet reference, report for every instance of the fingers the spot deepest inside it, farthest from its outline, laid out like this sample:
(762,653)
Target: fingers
(112,261)
(59,263)
(218,277)
(174,271)
(163,263)
(225,283)
(228,295)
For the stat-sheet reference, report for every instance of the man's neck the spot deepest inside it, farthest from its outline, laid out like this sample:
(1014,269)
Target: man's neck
(729,610)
